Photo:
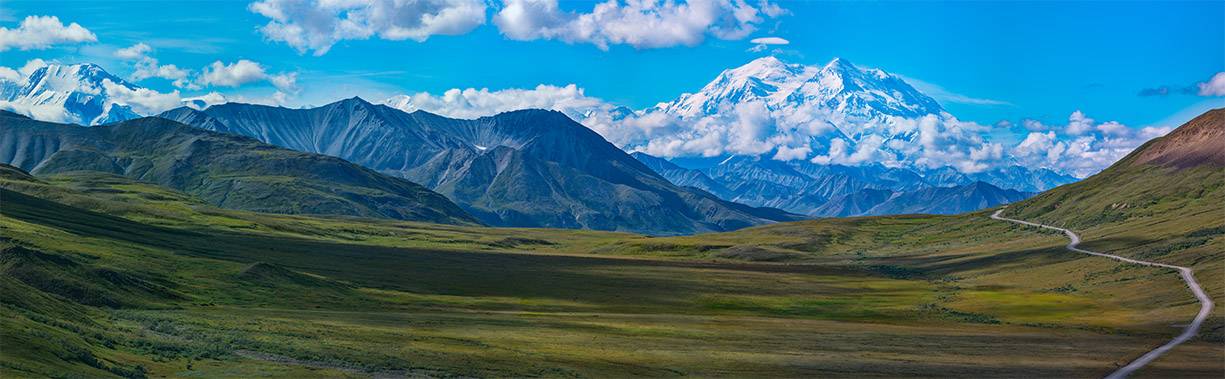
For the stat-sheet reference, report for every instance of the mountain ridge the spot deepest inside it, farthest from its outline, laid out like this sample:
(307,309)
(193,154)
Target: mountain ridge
(224,170)
(816,190)
(532,168)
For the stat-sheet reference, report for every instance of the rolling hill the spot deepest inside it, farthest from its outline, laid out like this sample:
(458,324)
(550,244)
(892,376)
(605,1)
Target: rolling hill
(529,168)
(227,171)
(107,276)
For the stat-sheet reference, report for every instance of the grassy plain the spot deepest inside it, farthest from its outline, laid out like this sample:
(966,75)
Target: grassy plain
(104,276)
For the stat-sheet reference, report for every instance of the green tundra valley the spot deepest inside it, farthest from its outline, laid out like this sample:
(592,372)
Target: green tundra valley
(109,276)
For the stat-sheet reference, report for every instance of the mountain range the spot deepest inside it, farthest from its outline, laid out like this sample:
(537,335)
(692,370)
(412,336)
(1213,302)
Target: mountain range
(840,191)
(856,103)
(227,171)
(519,169)
(529,168)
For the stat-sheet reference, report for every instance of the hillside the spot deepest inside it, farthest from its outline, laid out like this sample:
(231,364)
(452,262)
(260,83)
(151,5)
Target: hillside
(946,200)
(227,171)
(1201,142)
(1181,173)
(1165,202)
(108,277)
(529,168)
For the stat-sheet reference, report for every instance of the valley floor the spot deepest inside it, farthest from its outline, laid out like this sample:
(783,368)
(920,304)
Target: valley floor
(105,277)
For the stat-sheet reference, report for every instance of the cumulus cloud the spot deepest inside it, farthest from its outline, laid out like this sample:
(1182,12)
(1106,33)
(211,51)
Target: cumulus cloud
(1078,123)
(141,100)
(10,75)
(147,67)
(31,66)
(20,74)
(1215,86)
(136,51)
(233,75)
(41,32)
(217,74)
(243,72)
(317,25)
(1083,147)
(642,24)
(473,103)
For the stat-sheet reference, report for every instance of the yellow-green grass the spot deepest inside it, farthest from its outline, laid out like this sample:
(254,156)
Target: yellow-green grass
(252,295)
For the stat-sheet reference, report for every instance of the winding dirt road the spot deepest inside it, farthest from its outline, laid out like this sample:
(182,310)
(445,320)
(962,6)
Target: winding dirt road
(1187,276)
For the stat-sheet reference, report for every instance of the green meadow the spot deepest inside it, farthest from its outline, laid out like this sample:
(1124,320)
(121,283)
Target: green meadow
(107,277)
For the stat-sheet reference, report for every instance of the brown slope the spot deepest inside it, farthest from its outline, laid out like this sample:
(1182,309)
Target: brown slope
(1198,142)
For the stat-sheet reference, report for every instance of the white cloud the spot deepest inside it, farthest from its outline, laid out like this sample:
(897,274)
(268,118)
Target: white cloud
(11,75)
(205,101)
(641,24)
(31,66)
(473,103)
(142,100)
(136,51)
(1084,147)
(41,32)
(284,82)
(1215,86)
(243,72)
(764,43)
(1078,123)
(217,74)
(1113,129)
(44,112)
(1034,125)
(866,151)
(148,67)
(276,98)
(319,24)
(788,153)
(769,41)
(232,75)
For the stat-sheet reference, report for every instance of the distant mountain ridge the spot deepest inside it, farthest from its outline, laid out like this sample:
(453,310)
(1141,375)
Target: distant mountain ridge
(76,94)
(530,168)
(224,170)
(818,190)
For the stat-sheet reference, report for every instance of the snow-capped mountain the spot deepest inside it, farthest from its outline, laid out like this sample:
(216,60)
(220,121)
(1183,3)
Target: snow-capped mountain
(856,102)
(839,87)
(75,94)
(86,94)
(831,130)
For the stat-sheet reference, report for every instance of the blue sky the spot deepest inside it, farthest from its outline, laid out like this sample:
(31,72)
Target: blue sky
(1044,60)
(1087,81)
